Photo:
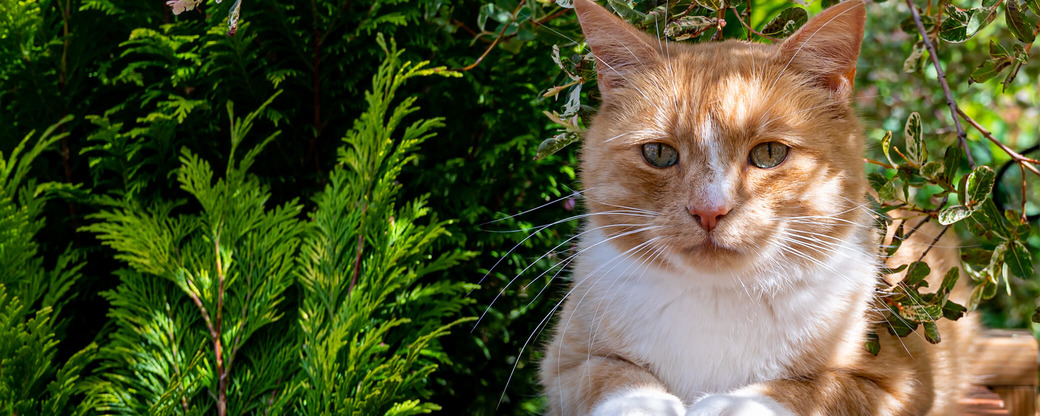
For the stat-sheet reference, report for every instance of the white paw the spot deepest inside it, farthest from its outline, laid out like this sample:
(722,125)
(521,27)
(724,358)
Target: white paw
(738,404)
(640,402)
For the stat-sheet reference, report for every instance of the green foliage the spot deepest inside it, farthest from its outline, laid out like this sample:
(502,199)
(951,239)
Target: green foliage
(360,265)
(32,297)
(199,312)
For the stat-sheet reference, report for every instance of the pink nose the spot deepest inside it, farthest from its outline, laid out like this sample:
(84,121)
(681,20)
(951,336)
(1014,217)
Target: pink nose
(708,217)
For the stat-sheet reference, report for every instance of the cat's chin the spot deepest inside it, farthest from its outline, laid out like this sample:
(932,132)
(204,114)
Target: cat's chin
(715,257)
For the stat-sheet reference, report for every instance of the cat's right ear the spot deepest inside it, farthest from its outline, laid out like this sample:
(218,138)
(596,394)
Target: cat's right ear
(619,47)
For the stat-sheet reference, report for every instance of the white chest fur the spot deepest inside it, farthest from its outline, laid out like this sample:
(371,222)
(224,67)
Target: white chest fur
(700,337)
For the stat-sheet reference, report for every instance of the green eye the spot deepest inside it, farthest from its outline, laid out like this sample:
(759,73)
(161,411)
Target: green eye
(660,155)
(768,155)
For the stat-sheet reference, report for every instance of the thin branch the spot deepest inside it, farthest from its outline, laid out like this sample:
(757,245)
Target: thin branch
(498,38)
(1024,218)
(222,376)
(875,162)
(921,257)
(750,29)
(721,23)
(1024,161)
(962,137)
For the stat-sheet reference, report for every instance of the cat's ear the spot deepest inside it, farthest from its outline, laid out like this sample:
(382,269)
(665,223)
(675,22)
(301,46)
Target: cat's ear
(619,47)
(827,46)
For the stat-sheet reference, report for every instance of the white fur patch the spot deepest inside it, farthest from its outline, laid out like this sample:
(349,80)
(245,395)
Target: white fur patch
(704,334)
(640,402)
(738,404)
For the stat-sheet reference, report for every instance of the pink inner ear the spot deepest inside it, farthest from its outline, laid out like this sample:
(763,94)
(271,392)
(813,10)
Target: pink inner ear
(619,47)
(829,44)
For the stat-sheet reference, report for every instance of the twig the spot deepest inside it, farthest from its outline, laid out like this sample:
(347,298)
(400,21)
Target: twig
(498,38)
(875,162)
(921,257)
(750,29)
(962,137)
(721,22)
(222,376)
(1024,161)
(1023,218)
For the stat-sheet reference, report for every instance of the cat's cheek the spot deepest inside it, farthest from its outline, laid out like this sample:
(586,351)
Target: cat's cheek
(744,402)
(640,402)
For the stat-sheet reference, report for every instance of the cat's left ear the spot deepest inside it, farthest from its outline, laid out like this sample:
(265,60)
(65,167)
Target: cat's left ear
(827,46)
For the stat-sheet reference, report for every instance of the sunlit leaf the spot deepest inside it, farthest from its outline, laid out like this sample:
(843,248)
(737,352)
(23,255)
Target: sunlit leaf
(786,23)
(961,25)
(915,147)
(953,214)
(688,27)
(979,185)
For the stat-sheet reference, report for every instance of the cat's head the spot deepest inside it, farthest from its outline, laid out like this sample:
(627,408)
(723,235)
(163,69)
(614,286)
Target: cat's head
(728,156)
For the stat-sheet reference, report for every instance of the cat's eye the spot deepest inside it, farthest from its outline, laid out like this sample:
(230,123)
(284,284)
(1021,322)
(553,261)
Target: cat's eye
(660,155)
(768,155)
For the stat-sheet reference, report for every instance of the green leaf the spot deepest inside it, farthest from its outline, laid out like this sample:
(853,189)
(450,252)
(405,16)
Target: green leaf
(1018,22)
(872,343)
(913,62)
(997,50)
(979,185)
(910,27)
(714,5)
(977,257)
(1036,315)
(555,143)
(915,148)
(989,69)
(916,274)
(961,25)
(950,279)
(922,313)
(989,290)
(952,161)
(932,170)
(689,27)
(976,296)
(1034,5)
(886,144)
(900,326)
(876,180)
(1018,260)
(953,214)
(931,332)
(887,191)
(786,23)
(953,310)
(493,11)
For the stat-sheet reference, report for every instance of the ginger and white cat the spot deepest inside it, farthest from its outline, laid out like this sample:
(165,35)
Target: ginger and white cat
(729,264)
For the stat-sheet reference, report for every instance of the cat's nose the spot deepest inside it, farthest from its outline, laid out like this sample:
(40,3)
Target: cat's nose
(708,216)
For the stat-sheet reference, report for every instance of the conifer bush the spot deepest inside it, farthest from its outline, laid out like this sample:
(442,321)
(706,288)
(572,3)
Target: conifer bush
(32,294)
(228,304)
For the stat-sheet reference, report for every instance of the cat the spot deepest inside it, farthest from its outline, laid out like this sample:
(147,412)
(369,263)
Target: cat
(729,263)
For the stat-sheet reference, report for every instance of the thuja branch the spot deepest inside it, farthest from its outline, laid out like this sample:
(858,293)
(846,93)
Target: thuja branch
(222,378)
(962,137)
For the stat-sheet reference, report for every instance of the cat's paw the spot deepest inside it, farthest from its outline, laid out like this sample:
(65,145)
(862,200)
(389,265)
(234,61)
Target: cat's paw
(640,402)
(738,404)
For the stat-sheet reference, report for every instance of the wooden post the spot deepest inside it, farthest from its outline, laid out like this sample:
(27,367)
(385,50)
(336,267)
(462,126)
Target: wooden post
(1006,362)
